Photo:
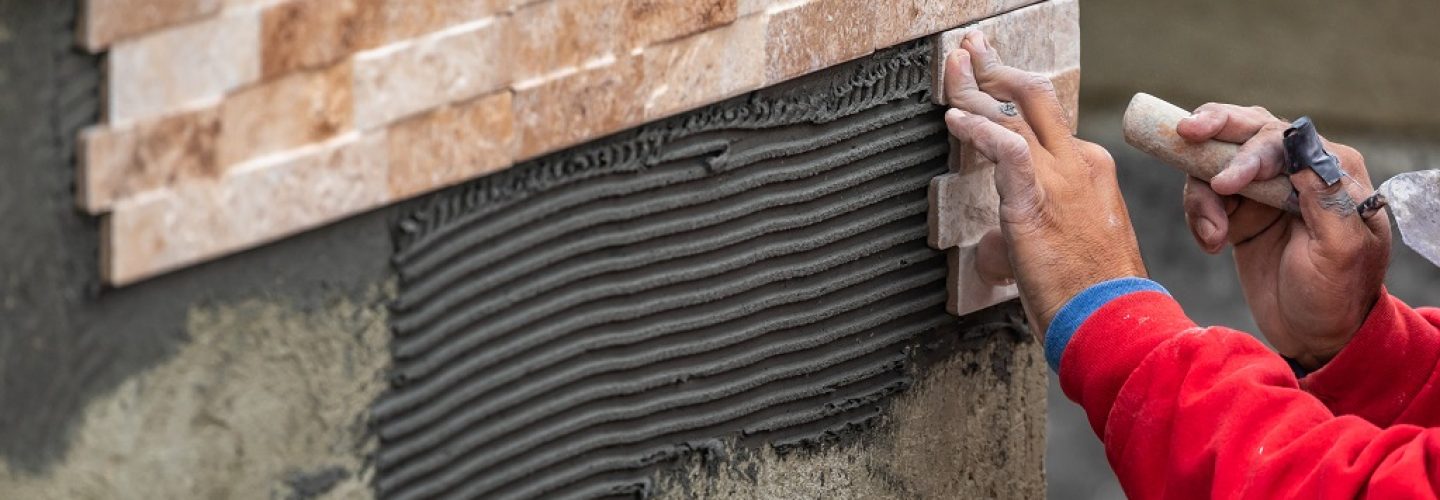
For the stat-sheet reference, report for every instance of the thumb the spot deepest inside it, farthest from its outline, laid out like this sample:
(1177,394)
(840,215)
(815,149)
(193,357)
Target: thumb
(1330,213)
(992,259)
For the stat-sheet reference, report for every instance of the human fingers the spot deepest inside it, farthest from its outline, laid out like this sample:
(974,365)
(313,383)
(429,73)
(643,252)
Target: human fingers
(1353,163)
(1261,157)
(1015,176)
(1033,93)
(962,91)
(1330,215)
(1224,122)
(1205,214)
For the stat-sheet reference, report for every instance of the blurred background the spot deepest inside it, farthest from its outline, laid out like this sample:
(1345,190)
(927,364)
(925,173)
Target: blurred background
(1366,71)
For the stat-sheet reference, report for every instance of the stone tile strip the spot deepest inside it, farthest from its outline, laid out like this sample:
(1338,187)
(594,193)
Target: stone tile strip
(1015,36)
(106,21)
(449,145)
(705,68)
(963,203)
(119,163)
(251,205)
(201,94)
(298,109)
(818,34)
(177,67)
(456,64)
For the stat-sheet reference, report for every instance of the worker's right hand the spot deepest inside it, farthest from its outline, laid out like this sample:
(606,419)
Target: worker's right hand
(1310,278)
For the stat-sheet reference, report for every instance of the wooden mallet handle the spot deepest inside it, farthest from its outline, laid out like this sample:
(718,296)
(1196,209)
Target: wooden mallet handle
(1150,127)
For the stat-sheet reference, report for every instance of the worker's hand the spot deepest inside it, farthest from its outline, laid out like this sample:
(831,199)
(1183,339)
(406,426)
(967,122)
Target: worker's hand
(1310,279)
(1064,223)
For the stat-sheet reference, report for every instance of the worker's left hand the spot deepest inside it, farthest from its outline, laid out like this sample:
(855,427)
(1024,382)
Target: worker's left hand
(1061,214)
(1310,278)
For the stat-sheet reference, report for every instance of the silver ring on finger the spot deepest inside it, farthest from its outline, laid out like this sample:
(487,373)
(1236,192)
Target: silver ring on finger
(1009,109)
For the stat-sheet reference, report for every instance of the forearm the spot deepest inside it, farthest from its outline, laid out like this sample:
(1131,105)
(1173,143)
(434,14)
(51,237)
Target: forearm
(1210,412)
(1387,373)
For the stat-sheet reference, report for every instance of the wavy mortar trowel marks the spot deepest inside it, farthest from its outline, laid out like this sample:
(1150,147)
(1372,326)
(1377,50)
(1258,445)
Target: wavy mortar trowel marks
(754,271)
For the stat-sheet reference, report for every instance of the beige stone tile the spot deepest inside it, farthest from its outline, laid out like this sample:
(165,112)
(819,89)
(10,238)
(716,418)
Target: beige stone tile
(105,21)
(1044,38)
(294,110)
(120,163)
(402,19)
(652,21)
(183,65)
(578,107)
(898,21)
(165,230)
(747,7)
(554,35)
(705,68)
(301,34)
(399,80)
(450,145)
(817,35)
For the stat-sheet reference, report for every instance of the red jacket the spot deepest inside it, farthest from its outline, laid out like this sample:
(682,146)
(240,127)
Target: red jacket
(1191,412)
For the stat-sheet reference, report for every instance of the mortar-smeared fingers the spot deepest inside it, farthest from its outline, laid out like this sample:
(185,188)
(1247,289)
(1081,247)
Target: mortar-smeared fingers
(1033,94)
(962,91)
(1015,175)
(1330,214)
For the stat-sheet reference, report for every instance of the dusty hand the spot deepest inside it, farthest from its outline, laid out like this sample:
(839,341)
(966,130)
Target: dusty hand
(1310,279)
(1064,223)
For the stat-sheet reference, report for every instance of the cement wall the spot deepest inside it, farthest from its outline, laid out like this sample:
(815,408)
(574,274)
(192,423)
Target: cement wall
(255,376)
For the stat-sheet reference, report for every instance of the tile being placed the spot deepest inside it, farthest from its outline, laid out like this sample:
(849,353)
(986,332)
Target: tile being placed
(964,206)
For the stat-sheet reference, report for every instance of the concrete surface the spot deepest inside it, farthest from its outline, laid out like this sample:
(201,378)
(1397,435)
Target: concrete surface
(971,428)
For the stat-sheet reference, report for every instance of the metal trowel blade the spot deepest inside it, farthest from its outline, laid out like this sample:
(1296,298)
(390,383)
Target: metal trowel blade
(1414,200)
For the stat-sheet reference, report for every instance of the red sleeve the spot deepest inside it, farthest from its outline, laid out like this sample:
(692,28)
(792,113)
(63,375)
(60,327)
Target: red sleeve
(1189,412)
(1387,373)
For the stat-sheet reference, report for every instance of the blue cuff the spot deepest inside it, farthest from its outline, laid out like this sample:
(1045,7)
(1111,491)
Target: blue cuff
(1084,304)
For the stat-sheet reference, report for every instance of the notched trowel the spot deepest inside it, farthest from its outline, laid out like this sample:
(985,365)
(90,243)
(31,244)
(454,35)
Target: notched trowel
(1413,197)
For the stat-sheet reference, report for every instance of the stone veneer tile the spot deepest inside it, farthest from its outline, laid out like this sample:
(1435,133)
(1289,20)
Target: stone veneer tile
(106,21)
(401,19)
(651,21)
(451,144)
(1014,35)
(308,33)
(459,63)
(818,34)
(291,111)
(898,21)
(179,66)
(303,34)
(747,7)
(705,68)
(262,202)
(558,34)
(578,107)
(152,154)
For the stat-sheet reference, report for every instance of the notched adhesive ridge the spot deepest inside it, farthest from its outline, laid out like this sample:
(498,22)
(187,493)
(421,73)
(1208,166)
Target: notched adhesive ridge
(755,271)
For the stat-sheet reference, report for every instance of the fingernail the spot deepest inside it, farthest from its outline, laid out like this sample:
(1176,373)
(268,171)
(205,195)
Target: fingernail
(980,38)
(954,114)
(1206,230)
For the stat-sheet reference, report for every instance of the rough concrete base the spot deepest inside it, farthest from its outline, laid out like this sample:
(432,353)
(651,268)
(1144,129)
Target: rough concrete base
(265,401)
(973,427)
